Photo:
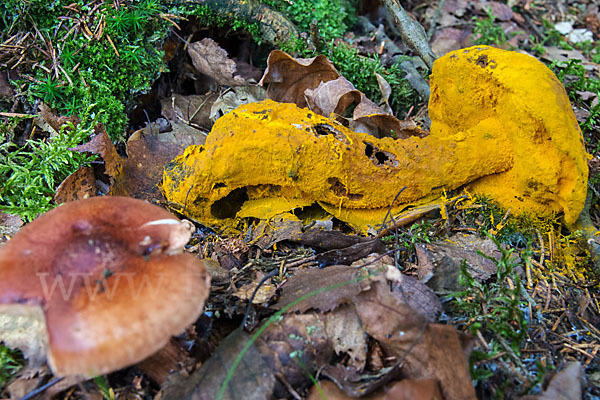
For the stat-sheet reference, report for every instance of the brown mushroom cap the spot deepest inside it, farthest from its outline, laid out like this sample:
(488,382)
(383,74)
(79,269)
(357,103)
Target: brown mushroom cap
(111,278)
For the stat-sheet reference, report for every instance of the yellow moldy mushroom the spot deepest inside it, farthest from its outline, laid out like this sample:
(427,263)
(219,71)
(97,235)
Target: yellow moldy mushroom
(501,122)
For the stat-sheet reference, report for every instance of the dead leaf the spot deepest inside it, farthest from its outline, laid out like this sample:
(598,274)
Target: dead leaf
(274,230)
(101,144)
(448,39)
(499,10)
(191,110)
(439,262)
(294,348)
(148,151)
(231,252)
(235,97)
(333,96)
(264,293)
(368,117)
(386,92)
(427,350)
(252,379)
(287,78)
(568,384)
(81,184)
(405,289)
(212,60)
(406,389)
(344,331)
(9,225)
(306,281)
(54,121)
(338,94)
(592,20)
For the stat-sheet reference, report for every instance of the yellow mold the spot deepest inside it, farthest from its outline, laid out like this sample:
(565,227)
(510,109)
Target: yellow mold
(522,97)
(501,123)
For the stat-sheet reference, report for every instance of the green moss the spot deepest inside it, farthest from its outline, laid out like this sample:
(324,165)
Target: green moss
(89,70)
(361,71)
(332,17)
(10,362)
(30,174)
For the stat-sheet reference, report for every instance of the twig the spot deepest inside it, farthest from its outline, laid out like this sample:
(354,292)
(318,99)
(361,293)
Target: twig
(41,389)
(412,32)
(435,19)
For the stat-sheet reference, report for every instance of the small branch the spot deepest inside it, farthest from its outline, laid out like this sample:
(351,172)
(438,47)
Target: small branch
(412,32)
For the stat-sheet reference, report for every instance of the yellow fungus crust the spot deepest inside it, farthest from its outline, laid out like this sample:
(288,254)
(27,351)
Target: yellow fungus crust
(501,123)
(516,94)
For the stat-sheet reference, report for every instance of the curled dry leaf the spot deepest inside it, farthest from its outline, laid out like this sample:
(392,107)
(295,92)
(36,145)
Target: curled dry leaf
(315,83)
(212,60)
(101,144)
(287,78)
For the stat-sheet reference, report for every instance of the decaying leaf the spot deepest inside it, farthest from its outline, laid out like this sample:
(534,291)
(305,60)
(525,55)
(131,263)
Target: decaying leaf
(406,389)
(295,347)
(51,122)
(212,60)
(273,230)
(565,385)
(9,225)
(264,293)
(101,144)
(345,333)
(147,153)
(306,281)
(253,379)
(440,262)
(192,110)
(315,83)
(81,184)
(148,150)
(425,350)
(405,289)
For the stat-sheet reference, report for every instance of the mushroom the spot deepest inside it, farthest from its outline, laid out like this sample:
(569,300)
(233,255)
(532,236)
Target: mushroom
(111,278)
(502,126)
